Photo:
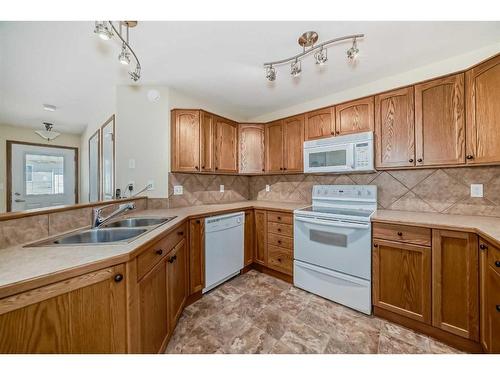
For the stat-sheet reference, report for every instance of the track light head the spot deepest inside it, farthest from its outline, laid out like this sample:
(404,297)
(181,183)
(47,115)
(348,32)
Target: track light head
(270,73)
(124,56)
(102,30)
(296,68)
(352,52)
(136,74)
(321,56)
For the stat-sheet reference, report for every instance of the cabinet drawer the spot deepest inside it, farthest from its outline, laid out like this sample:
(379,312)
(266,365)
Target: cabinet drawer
(277,228)
(156,252)
(279,217)
(282,241)
(402,233)
(280,259)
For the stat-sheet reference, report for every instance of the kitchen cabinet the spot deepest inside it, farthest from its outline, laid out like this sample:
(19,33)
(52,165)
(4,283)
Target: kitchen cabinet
(402,278)
(252,151)
(249,237)
(483,112)
(260,237)
(196,255)
(274,147)
(455,274)
(354,116)
(279,240)
(490,296)
(177,282)
(226,145)
(440,121)
(395,129)
(206,142)
(185,133)
(285,145)
(84,314)
(319,124)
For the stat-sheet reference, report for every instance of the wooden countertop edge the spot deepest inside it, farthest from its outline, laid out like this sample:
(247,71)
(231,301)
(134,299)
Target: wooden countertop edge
(36,282)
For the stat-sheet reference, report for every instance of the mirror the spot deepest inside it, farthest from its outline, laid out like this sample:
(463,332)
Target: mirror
(94,166)
(108,159)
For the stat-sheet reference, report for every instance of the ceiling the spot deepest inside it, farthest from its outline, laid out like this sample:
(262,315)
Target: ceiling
(64,64)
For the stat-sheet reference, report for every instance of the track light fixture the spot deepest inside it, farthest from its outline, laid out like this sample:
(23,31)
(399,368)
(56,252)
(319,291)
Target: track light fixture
(307,42)
(106,30)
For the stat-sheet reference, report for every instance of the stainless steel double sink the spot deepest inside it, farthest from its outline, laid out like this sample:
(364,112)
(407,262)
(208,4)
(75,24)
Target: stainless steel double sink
(123,230)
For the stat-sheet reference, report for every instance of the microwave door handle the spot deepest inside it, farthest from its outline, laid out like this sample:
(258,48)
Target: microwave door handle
(330,223)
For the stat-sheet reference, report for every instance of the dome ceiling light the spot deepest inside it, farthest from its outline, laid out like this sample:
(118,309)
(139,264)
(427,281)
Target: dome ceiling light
(48,134)
(106,30)
(307,42)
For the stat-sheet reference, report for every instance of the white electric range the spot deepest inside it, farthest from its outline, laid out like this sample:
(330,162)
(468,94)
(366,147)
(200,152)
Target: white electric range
(332,244)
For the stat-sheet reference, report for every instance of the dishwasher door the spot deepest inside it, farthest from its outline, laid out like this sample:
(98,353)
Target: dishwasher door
(224,247)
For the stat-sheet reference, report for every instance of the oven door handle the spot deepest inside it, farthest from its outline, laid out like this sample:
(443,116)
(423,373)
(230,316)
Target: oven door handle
(331,223)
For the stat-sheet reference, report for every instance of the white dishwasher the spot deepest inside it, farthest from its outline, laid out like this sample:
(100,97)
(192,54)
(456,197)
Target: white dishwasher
(224,247)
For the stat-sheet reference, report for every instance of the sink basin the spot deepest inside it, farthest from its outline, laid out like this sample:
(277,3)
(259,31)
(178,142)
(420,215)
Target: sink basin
(95,236)
(134,222)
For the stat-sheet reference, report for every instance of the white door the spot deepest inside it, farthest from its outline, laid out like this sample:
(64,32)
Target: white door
(42,176)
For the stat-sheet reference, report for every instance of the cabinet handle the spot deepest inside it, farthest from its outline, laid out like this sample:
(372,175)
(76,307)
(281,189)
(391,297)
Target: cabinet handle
(196,167)
(411,160)
(118,277)
(279,241)
(172,259)
(483,246)
(181,233)
(498,308)
(198,221)
(420,160)
(279,217)
(159,252)
(281,169)
(375,245)
(279,260)
(279,229)
(400,233)
(202,167)
(263,170)
(333,133)
(469,157)
(284,169)
(497,263)
(337,132)
(216,168)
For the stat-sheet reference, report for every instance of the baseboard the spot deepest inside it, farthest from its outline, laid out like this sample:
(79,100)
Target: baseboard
(448,338)
(271,272)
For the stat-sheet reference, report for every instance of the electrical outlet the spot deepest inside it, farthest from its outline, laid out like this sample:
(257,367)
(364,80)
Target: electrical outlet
(151,185)
(268,188)
(476,190)
(178,190)
(131,183)
(221,188)
(131,163)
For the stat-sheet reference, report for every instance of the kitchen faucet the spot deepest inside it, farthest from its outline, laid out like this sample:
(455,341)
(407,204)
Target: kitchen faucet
(98,220)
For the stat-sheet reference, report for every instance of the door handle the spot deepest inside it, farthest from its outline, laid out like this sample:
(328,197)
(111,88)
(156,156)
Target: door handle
(19,200)
(17,194)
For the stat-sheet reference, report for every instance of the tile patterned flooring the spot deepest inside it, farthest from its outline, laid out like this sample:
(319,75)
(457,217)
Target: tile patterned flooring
(257,313)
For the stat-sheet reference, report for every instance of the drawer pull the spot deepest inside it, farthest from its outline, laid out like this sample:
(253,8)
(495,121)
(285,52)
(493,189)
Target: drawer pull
(498,308)
(469,157)
(279,260)
(118,277)
(279,229)
(420,160)
(483,246)
(279,241)
(181,233)
(159,251)
(411,160)
(400,233)
(279,217)
(172,259)
(497,263)
(375,245)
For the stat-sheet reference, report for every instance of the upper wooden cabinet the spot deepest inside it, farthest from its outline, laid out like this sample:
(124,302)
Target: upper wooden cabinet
(206,142)
(483,112)
(185,133)
(354,116)
(395,129)
(226,145)
(252,151)
(440,121)
(274,146)
(455,276)
(293,141)
(319,124)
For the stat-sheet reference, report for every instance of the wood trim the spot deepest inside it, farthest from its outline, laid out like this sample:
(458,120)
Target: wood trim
(98,134)
(101,159)
(9,144)
(271,272)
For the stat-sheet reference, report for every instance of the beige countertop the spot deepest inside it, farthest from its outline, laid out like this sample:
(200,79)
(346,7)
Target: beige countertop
(20,264)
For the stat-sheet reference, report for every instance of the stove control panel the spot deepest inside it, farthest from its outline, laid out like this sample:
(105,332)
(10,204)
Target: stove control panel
(345,192)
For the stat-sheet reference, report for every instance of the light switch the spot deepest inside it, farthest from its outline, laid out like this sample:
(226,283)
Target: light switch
(268,188)
(221,188)
(151,185)
(178,190)
(476,190)
(131,163)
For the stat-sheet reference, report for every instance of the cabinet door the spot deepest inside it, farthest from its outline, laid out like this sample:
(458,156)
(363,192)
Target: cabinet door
(196,255)
(260,236)
(395,129)
(293,144)
(319,124)
(490,297)
(252,159)
(226,146)
(455,289)
(274,147)
(153,309)
(440,121)
(207,142)
(483,112)
(185,140)
(85,314)
(402,279)
(177,282)
(355,116)
(249,237)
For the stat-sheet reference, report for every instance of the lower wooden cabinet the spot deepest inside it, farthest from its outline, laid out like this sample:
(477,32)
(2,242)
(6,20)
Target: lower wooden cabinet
(455,288)
(85,314)
(490,296)
(177,282)
(249,237)
(402,279)
(260,237)
(196,255)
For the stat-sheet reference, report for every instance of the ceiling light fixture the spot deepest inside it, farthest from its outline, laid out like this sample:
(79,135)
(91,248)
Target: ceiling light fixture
(307,42)
(49,107)
(105,30)
(48,134)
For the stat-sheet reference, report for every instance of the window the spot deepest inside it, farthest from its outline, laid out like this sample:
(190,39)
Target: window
(44,174)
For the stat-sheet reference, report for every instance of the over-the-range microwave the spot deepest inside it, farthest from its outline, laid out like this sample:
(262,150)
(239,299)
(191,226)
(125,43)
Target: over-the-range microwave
(342,154)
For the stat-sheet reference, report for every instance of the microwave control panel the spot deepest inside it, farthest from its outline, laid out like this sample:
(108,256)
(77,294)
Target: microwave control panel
(363,156)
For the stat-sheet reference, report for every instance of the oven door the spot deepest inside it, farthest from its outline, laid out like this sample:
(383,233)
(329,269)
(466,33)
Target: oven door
(332,158)
(337,245)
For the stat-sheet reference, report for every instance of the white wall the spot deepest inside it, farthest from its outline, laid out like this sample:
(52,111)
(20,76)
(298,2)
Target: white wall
(23,134)
(407,78)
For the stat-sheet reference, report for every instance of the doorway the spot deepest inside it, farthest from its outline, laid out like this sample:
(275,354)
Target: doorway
(40,175)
